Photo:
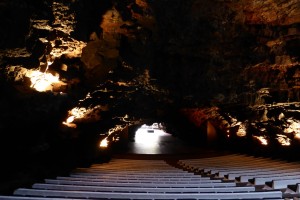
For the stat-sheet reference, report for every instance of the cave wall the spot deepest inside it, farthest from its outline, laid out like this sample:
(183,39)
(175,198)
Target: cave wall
(207,51)
(203,52)
(218,51)
(204,47)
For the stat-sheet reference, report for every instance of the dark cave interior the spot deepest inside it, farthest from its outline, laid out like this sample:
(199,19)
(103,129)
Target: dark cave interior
(73,72)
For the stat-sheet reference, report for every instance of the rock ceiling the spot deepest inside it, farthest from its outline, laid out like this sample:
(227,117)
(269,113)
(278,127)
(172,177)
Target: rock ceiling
(232,63)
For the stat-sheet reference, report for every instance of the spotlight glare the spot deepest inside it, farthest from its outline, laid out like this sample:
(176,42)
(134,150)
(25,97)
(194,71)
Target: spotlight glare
(104,143)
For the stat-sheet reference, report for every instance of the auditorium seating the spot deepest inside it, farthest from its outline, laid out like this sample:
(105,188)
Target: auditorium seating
(233,176)
(263,173)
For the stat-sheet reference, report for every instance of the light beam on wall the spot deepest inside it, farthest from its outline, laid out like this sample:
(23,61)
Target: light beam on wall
(262,139)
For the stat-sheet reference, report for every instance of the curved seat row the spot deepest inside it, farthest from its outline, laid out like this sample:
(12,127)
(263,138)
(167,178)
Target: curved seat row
(153,179)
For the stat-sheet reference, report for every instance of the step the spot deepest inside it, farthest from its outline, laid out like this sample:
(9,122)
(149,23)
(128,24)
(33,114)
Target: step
(157,175)
(94,183)
(142,189)
(244,177)
(126,195)
(178,178)
(138,180)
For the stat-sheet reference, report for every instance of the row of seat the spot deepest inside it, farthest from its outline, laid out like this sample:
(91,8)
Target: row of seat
(141,179)
(267,173)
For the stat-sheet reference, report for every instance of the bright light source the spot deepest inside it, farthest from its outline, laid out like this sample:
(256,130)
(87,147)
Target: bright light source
(293,127)
(70,119)
(262,139)
(283,140)
(78,112)
(241,131)
(297,136)
(69,123)
(228,133)
(75,113)
(149,136)
(42,81)
(91,113)
(104,143)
